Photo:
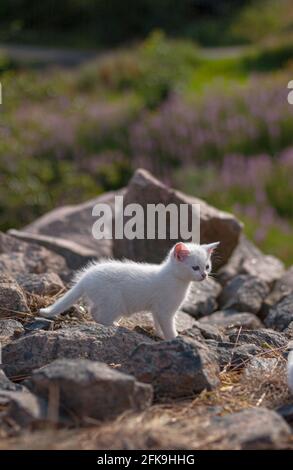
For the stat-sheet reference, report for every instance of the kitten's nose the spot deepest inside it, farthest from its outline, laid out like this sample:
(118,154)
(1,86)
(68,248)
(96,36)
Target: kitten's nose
(204,275)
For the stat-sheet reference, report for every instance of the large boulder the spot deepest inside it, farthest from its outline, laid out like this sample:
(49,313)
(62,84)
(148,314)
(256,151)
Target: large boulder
(111,345)
(76,255)
(74,223)
(90,389)
(215,225)
(17,256)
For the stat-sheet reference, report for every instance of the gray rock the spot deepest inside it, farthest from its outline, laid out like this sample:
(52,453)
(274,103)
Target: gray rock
(75,223)
(39,323)
(266,268)
(251,429)
(144,320)
(280,315)
(233,356)
(289,330)
(203,330)
(286,411)
(17,256)
(264,338)
(215,225)
(9,330)
(231,319)
(282,288)
(87,341)
(90,389)
(177,368)
(22,408)
(6,384)
(202,298)
(243,251)
(12,298)
(260,367)
(248,259)
(40,284)
(76,255)
(244,294)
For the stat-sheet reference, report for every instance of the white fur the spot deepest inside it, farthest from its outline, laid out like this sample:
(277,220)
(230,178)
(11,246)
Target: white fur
(290,371)
(121,288)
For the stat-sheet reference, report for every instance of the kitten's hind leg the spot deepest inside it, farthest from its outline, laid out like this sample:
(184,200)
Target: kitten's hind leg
(102,317)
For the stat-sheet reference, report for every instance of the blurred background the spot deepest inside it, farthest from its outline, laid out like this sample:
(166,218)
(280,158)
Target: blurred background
(195,91)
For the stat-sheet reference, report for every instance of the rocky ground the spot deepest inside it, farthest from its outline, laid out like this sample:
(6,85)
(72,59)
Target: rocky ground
(72,383)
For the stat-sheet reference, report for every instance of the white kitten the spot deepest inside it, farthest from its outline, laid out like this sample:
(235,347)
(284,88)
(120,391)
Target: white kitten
(121,288)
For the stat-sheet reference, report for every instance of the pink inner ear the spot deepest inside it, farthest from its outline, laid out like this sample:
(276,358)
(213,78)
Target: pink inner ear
(181,251)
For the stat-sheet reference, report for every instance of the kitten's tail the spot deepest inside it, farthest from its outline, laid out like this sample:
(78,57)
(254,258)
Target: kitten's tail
(64,302)
(290,371)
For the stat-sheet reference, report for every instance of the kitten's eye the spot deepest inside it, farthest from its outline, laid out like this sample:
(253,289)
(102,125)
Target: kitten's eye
(195,268)
(207,266)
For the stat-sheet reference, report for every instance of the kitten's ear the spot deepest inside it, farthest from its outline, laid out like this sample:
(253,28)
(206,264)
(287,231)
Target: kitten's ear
(211,247)
(181,251)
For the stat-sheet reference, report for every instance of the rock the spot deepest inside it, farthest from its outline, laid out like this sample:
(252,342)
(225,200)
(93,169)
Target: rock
(260,367)
(215,225)
(266,268)
(22,407)
(248,259)
(286,411)
(39,323)
(280,315)
(99,391)
(9,330)
(231,356)
(76,255)
(40,284)
(75,223)
(203,330)
(17,257)
(12,298)
(244,294)
(230,319)
(282,288)
(202,298)
(144,320)
(289,331)
(251,429)
(87,341)
(177,368)
(264,338)
(6,384)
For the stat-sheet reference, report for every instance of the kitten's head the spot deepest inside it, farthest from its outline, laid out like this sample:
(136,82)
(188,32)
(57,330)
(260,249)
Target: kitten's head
(192,262)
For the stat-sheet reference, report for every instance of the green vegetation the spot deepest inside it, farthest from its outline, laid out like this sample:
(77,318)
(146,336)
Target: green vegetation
(218,126)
